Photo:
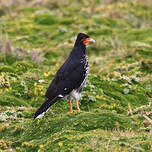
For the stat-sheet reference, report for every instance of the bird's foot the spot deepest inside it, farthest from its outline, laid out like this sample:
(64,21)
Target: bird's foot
(70,112)
(77,110)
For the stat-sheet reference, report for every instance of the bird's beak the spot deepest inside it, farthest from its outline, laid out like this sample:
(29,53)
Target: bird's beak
(88,40)
(91,40)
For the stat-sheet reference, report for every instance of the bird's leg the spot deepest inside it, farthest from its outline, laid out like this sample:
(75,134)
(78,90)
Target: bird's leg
(70,104)
(77,105)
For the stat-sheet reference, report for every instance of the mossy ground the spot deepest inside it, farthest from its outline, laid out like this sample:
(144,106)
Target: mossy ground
(116,102)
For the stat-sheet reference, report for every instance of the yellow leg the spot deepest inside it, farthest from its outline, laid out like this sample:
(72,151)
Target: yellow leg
(77,105)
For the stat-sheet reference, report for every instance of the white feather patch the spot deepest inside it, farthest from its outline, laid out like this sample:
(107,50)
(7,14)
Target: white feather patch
(60,95)
(75,94)
(41,115)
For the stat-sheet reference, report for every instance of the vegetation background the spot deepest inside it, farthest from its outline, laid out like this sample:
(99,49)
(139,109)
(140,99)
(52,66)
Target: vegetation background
(37,36)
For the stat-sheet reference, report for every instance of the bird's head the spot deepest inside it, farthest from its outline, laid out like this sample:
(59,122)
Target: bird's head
(84,39)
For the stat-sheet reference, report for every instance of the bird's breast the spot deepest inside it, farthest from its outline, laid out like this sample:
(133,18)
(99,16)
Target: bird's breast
(75,94)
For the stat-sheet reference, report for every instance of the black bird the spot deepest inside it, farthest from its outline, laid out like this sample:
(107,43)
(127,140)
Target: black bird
(70,78)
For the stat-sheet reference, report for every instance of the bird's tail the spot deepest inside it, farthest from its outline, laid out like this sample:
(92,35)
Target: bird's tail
(41,111)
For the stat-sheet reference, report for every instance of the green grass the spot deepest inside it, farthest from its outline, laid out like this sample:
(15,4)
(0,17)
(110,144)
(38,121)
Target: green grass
(116,101)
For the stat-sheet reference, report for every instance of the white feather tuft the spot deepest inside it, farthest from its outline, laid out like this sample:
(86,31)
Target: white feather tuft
(60,95)
(41,115)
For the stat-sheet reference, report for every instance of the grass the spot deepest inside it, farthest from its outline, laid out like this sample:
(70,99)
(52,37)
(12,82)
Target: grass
(116,101)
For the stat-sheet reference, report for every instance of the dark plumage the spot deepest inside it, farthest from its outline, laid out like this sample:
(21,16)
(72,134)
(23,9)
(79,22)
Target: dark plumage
(70,78)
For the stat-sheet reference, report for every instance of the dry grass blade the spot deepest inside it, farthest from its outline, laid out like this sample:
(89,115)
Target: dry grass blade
(130,110)
(118,127)
(107,145)
(92,8)
(147,118)
(7,46)
(19,53)
(36,56)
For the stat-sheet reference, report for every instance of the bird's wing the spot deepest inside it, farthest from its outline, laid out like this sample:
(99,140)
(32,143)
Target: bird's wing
(68,77)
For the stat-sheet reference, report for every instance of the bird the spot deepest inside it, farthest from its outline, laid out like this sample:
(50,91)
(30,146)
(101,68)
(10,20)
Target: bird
(71,77)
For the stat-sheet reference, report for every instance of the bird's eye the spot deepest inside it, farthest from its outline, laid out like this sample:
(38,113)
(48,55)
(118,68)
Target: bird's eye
(65,89)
